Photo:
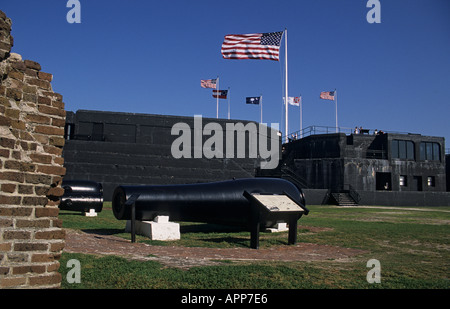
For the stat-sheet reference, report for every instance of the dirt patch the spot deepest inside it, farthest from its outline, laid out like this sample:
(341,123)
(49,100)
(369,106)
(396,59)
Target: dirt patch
(316,229)
(186,257)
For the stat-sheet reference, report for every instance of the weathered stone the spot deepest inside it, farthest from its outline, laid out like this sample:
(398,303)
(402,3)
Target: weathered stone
(32,119)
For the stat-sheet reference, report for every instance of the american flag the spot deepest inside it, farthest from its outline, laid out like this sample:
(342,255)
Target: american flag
(252,46)
(327,95)
(222,94)
(208,83)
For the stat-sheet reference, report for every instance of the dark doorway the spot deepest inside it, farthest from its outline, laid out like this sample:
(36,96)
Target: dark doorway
(383,181)
(97,132)
(417,183)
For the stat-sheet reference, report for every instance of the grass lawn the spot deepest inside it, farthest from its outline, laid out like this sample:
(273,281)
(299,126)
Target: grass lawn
(411,244)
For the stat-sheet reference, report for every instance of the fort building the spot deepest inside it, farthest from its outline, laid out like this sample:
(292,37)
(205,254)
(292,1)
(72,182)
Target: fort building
(369,168)
(336,168)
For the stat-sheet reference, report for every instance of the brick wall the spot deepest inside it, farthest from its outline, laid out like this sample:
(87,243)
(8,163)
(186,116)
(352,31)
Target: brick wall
(32,119)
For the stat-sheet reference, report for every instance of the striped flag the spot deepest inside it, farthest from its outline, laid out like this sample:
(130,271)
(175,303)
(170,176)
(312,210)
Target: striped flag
(208,83)
(221,94)
(327,95)
(264,46)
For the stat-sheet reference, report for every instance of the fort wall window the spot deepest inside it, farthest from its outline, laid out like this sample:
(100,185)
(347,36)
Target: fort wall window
(403,180)
(430,151)
(401,149)
(69,130)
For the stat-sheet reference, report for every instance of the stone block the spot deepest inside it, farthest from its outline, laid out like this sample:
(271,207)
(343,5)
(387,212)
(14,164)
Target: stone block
(279,227)
(158,229)
(91,213)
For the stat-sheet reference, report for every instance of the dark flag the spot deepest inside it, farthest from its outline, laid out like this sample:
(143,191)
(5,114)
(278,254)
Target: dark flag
(252,100)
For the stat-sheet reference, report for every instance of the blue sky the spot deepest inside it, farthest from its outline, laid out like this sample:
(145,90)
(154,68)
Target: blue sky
(145,56)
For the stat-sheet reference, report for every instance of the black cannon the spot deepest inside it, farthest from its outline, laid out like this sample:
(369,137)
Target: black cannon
(81,195)
(232,202)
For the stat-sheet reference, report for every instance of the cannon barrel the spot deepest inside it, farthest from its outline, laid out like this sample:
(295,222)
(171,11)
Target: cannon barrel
(81,195)
(217,202)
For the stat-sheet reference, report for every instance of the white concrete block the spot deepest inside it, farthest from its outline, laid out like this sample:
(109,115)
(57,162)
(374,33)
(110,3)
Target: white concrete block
(279,227)
(91,213)
(161,219)
(165,231)
(156,230)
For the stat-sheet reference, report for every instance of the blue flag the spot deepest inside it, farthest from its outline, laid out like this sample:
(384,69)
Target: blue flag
(252,100)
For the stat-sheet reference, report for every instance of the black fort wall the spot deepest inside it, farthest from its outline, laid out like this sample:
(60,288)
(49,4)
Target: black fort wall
(135,149)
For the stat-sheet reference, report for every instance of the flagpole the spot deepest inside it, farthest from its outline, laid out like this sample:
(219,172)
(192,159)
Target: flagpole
(286,85)
(301,118)
(260,102)
(335,95)
(217,98)
(228,102)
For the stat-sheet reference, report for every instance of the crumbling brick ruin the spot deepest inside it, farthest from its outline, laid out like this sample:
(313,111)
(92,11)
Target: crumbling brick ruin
(32,119)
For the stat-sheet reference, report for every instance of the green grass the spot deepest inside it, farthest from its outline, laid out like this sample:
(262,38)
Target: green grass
(411,245)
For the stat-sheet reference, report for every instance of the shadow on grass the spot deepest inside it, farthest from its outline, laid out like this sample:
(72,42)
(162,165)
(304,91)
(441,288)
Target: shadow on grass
(230,241)
(103,231)
(199,234)
(210,228)
(71,213)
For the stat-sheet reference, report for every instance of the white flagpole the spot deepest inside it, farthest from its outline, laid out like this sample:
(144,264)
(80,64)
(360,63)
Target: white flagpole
(301,118)
(286,86)
(217,99)
(260,102)
(228,102)
(335,101)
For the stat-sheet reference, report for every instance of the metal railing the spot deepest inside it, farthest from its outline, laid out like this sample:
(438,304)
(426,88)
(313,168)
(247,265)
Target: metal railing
(315,130)
(353,194)
(287,172)
(376,154)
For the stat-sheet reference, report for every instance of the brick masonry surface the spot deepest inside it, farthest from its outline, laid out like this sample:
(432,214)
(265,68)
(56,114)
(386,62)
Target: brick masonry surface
(32,119)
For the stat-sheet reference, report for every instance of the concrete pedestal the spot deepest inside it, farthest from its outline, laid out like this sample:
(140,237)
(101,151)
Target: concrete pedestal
(91,213)
(158,229)
(279,227)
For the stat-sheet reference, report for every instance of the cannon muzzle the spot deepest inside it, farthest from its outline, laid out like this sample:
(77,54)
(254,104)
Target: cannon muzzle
(81,195)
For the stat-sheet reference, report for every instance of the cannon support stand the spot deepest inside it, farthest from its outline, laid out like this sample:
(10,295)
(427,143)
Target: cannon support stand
(132,202)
